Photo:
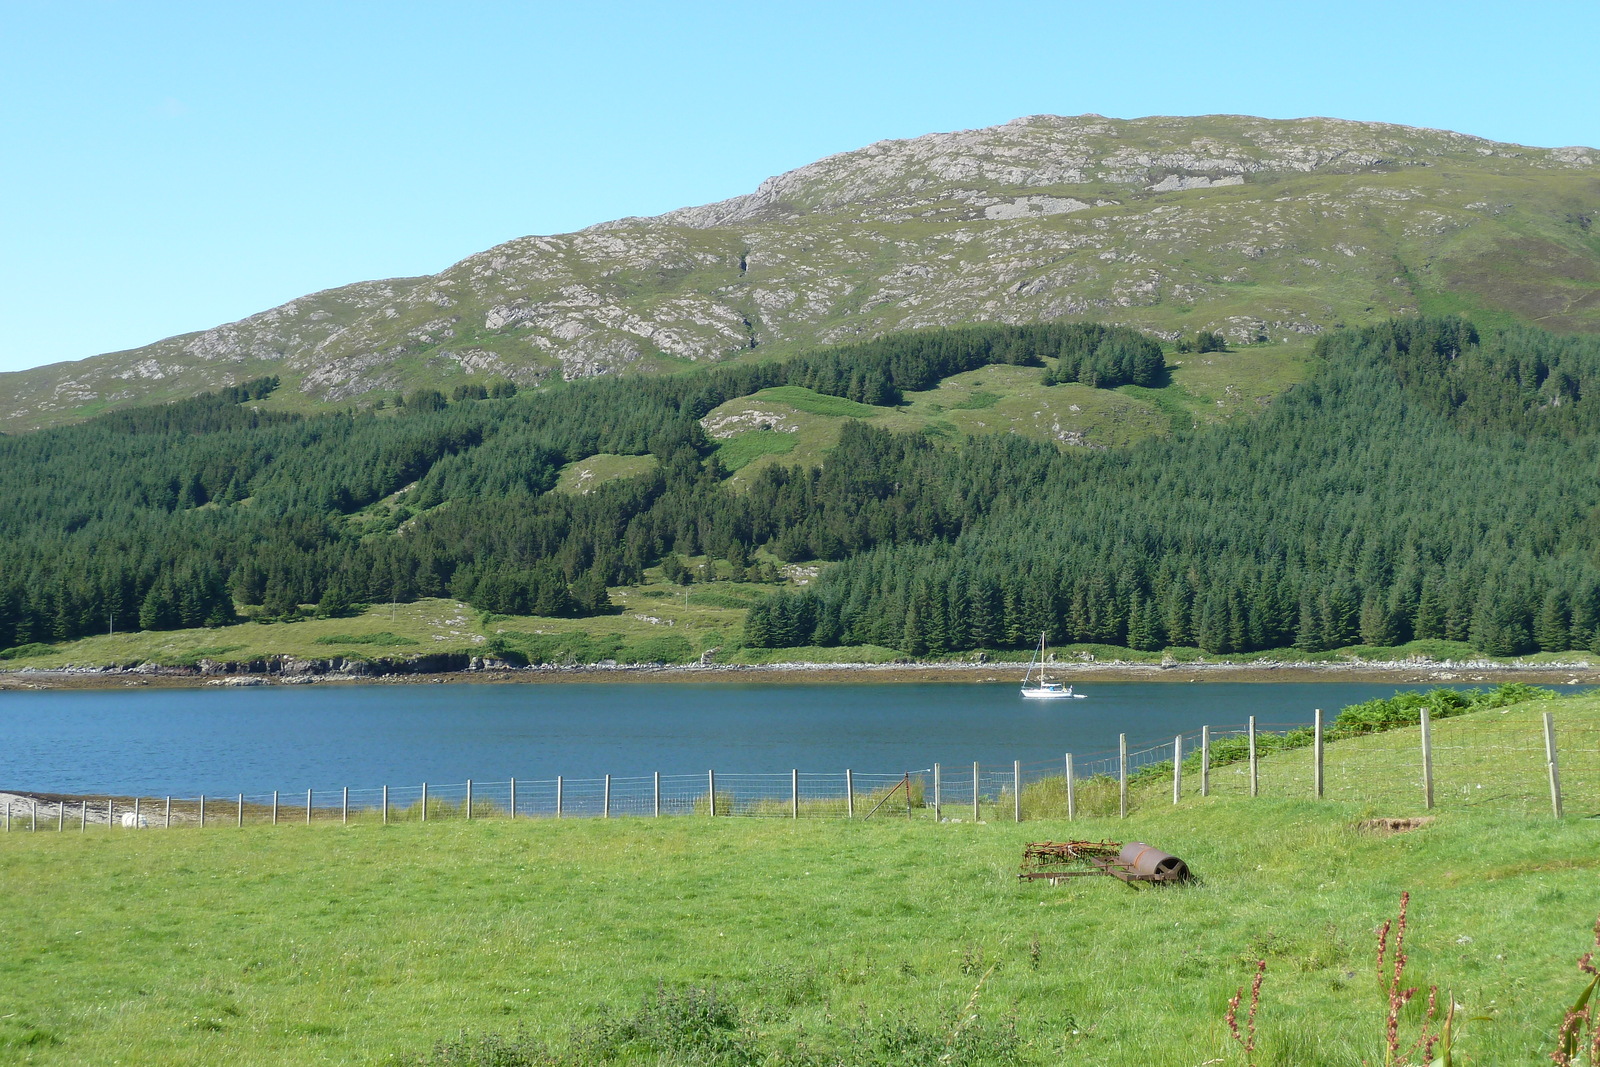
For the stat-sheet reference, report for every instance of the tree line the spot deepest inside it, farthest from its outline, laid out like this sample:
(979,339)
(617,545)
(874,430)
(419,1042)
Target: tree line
(1428,482)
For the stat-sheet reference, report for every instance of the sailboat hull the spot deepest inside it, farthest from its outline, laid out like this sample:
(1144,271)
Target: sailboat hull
(1055,693)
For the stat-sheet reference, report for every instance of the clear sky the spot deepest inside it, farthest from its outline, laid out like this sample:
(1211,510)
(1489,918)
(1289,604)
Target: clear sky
(167,167)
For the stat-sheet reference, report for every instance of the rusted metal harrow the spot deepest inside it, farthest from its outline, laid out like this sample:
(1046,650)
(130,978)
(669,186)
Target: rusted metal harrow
(1133,862)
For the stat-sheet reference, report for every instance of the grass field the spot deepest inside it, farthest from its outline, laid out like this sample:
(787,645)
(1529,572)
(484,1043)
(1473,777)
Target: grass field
(712,616)
(881,942)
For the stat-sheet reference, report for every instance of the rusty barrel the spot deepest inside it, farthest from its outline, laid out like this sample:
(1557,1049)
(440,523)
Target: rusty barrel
(1151,863)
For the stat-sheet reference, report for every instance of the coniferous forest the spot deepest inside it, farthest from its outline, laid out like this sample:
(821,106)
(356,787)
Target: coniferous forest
(1427,482)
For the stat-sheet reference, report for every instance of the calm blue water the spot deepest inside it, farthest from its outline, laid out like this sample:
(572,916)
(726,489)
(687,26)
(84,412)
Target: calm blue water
(186,741)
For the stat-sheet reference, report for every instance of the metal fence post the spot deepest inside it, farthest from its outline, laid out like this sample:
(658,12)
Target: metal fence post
(386,805)
(169,813)
(794,793)
(937,799)
(1177,768)
(605,800)
(1427,760)
(513,798)
(1016,790)
(33,816)
(308,807)
(656,795)
(137,814)
(202,810)
(977,816)
(1122,776)
(1255,770)
(711,793)
(274,807)
(849,793)
(1072,799)
(61,815)
(344,806)
(424,801)
(240,812)
(1316,758)
(1550,762)
(83,815)
(469,798)
(1205,761)
(558,796)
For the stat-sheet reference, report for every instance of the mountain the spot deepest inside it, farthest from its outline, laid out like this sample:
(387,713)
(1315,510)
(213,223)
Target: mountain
(1266,231)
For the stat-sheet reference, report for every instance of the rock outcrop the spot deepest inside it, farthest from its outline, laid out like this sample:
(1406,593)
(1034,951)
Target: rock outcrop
(1257,228)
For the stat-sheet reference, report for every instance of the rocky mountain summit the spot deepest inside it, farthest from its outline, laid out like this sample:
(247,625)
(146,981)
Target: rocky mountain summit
(1260,229)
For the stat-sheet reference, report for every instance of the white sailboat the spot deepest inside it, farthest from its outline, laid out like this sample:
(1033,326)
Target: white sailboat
(1043,688)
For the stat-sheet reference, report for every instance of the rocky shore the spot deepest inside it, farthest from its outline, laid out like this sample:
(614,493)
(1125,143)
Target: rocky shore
(463,667)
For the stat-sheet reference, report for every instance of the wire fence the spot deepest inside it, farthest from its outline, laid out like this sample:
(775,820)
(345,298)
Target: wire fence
(1509,760)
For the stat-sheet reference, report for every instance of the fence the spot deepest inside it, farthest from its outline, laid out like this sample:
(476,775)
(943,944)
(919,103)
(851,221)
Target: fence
(1504,761)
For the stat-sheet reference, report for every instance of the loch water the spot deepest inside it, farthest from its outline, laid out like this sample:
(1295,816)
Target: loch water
(220,741)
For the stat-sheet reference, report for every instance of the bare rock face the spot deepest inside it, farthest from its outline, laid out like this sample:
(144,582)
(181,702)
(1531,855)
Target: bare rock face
(1252,227)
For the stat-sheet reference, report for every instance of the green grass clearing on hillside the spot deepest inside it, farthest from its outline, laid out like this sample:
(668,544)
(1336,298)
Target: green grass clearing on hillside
(814,403)
(864,941)
(585,474)
(739,452)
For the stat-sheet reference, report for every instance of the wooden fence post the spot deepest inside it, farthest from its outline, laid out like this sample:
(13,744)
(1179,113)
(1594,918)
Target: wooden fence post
(906,780)
(1016,790)
(711,792)
(1177,768)
(1427,760)
(1072,799)
(1550,763)
(794,793)
(1255,768)
(137,814)
(1205,761)
(558,796)
(111,811)
(1122,776)
(849,793)
(1316,758)
(977,816)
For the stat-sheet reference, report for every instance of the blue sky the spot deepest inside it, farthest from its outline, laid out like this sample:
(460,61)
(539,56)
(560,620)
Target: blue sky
(168,167)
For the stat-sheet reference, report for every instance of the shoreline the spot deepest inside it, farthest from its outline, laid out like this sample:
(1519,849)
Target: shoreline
(300,673)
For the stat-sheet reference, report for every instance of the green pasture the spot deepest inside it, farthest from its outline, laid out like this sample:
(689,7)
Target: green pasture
(768,941)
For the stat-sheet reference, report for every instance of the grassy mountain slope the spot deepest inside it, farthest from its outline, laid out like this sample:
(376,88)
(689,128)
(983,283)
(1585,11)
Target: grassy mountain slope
(1260,229)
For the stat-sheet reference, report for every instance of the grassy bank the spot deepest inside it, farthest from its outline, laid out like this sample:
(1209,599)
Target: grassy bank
(656,622)
(827,941)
